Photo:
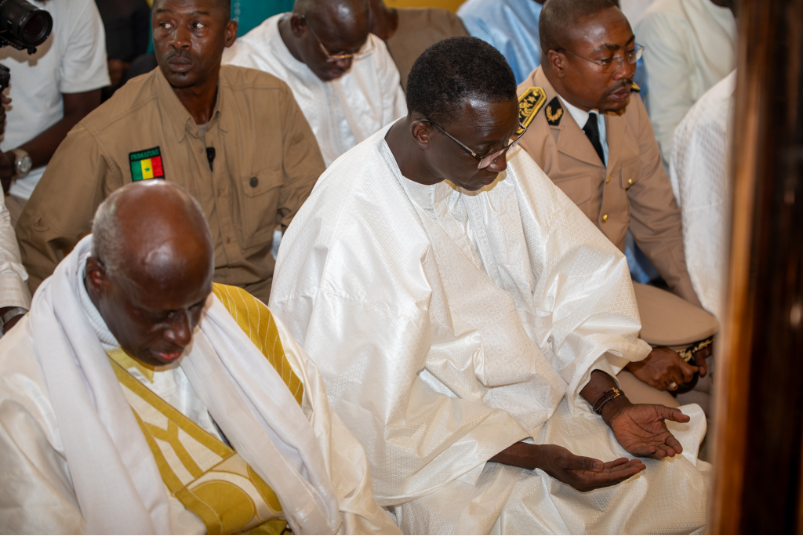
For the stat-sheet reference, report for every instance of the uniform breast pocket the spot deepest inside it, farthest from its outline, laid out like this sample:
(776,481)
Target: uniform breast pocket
(631,173)
(580,189)
(259,205)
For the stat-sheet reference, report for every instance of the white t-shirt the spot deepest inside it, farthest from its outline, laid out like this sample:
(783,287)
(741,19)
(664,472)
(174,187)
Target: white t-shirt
(71,60)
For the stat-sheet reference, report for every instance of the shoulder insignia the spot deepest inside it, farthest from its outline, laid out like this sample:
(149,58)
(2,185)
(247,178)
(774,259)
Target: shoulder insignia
(554,112)
(529,104)
(635,87)
(146,164)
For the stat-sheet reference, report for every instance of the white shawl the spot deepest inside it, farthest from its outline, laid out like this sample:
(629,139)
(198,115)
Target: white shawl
(114,474)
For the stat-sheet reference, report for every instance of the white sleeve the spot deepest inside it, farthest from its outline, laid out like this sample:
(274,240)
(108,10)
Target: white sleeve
(36,496)
(668,78)
(394,101)
(583,292)
(13,287)
(83,66)
(345,457)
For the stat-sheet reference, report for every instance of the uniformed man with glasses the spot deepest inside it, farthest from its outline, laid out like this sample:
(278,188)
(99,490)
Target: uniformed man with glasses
(590,133)
(341,75)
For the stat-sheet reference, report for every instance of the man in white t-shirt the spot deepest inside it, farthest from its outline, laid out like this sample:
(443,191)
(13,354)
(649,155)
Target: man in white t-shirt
(51,91)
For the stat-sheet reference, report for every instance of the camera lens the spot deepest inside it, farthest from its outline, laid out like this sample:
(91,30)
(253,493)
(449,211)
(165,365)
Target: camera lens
(24,25)
(35,28)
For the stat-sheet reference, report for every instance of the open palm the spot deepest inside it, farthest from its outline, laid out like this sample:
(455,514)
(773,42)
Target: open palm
(641,430)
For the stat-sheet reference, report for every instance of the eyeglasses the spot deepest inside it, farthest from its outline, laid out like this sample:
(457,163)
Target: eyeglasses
(612,63)
(485,161)
(332,58)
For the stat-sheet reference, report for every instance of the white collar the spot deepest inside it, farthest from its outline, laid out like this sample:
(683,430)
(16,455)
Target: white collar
(105,336)
(580,116)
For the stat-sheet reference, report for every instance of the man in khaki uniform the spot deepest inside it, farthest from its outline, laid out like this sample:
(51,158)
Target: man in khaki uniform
(233,137)
(586,69)
(589,131)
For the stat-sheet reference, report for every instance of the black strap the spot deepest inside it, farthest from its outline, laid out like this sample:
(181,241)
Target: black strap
(592,131)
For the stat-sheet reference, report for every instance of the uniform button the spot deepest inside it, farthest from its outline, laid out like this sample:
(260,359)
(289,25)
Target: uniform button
(604,218)
(608,179)
(630,180)
(228,240)
(253,182)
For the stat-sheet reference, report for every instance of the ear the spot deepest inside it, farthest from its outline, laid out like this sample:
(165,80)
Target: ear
(97,279)
(556,61)
(422,133)
(298,25)
(231,32)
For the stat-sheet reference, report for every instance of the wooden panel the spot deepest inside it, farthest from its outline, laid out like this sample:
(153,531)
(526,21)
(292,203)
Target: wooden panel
(759,397)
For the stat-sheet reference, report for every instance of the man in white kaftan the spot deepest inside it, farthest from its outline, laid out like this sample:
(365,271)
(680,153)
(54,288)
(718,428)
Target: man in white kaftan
(700,174)
(79,449)
(450,323)
(690,45)
(345,96)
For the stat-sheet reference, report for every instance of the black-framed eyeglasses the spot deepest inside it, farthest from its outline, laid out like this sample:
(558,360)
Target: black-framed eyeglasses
(332,58)
(484,161)
(612,63)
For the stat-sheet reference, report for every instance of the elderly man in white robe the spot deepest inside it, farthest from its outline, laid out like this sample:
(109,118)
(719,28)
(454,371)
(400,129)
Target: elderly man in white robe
(469,322)
(699,173)
(134,401)
(343,77)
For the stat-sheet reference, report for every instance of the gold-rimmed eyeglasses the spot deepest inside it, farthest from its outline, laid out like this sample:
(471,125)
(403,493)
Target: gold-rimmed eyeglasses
(332,58)
(612,63)
(484,161)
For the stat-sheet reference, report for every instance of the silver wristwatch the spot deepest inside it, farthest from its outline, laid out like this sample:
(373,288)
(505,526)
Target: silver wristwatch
(9,315)
(22,162)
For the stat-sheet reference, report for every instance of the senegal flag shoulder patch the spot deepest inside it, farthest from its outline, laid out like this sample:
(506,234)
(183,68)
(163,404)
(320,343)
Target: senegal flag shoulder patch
(146,164)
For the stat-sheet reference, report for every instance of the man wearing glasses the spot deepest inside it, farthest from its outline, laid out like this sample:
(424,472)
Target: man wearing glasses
(468,320)
(341,75)
(593,138)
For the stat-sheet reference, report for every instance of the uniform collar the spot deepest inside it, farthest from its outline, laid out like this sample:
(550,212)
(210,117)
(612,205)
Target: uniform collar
(573,140)
(180,120)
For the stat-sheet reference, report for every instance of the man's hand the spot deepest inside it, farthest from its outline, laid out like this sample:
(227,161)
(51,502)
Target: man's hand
(640,428)
(585,474)
(7,171)
(581,473)
(663,367)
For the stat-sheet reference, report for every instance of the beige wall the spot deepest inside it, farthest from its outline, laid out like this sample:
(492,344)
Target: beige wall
(451,5)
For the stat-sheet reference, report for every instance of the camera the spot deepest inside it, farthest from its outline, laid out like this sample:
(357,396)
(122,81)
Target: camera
(23,25)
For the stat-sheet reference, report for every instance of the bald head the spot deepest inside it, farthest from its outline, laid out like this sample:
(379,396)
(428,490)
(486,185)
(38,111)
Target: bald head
(150,229)
(151,268)
(342,15)
(325,34)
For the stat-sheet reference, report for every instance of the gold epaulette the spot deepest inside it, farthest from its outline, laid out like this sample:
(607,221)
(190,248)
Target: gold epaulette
(529,103)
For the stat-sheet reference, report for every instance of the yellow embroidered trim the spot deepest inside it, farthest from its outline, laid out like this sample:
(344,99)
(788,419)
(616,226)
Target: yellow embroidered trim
(206,475)
(529,104)
(122,358)
(256,321)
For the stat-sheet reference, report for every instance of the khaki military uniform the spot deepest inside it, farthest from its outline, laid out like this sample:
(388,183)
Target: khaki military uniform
(266,161)
(631,192)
